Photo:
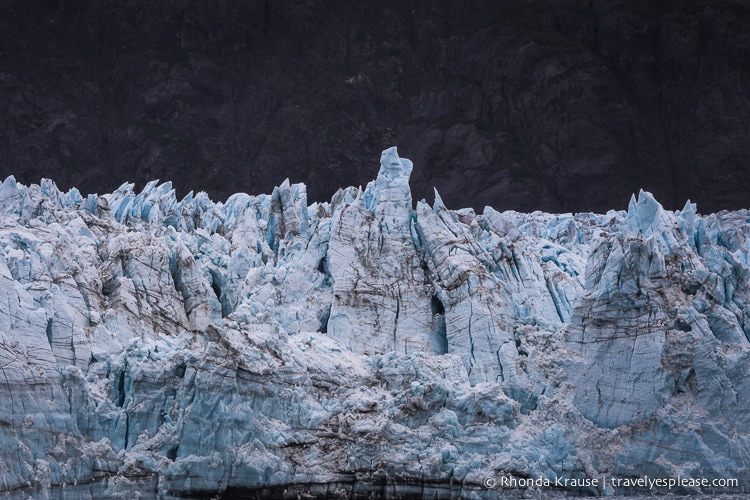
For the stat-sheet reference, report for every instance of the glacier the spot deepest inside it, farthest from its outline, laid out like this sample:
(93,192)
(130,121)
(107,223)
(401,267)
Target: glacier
(365,346)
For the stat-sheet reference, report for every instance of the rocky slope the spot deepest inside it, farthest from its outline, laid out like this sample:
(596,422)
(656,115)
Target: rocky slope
(569,105)
(362,347)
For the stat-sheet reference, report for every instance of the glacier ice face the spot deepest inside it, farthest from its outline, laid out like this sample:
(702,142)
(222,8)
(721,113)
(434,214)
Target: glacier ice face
(364,343)
(381,297)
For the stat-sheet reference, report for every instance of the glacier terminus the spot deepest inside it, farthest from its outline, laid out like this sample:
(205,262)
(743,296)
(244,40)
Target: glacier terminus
(367,346)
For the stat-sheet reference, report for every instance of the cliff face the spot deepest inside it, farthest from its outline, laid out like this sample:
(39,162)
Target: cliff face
(560,106)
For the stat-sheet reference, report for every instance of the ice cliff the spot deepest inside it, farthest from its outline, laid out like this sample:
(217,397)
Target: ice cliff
(192,347)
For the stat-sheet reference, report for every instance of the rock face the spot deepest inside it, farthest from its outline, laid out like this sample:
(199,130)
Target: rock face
(560,106)
(364,347)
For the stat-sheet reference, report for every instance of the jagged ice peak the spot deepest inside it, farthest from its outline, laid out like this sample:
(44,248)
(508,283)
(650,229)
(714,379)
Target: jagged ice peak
(191,347)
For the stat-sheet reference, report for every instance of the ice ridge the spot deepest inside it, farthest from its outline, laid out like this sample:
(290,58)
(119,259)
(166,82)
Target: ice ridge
(265,342)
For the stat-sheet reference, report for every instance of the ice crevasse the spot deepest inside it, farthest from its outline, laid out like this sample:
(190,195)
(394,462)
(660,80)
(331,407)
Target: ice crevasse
(264,342)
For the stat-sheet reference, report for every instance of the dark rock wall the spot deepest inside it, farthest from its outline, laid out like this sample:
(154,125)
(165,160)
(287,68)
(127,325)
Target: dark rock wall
(554,105)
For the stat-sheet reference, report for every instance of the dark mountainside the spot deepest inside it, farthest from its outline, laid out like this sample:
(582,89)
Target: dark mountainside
(558,106)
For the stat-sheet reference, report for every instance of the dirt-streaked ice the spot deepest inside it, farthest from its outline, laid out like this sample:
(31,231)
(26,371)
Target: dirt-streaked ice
(265,342)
